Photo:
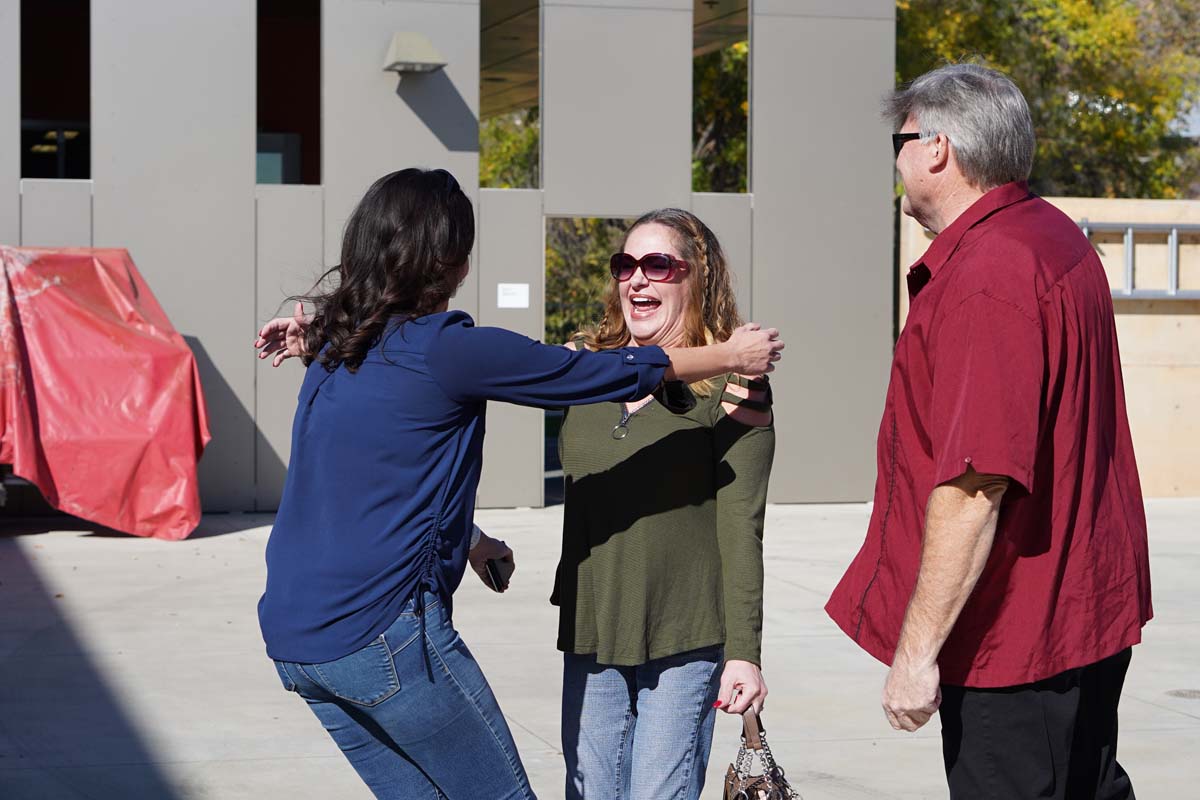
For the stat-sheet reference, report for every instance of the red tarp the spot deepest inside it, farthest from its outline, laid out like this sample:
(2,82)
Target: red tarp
(100,400)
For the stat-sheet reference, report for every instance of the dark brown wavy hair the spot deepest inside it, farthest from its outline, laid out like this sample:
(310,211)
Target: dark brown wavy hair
(403,254)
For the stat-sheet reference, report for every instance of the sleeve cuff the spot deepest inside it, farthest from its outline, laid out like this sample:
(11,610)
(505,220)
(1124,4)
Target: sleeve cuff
(744,651)
(651,364)
(949,468)
(649,356)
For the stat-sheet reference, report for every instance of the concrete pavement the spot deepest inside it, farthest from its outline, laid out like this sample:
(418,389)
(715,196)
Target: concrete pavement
(133,668)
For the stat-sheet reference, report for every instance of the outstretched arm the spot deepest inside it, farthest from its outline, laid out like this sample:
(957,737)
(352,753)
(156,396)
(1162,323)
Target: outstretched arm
(472,364)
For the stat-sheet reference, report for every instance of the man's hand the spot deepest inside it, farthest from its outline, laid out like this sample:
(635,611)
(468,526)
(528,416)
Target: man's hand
(283,337)
(960,525)
(911,694)
(742,686)
(486,548)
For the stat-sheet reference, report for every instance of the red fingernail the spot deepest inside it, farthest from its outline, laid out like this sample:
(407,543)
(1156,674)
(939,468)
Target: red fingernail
(718,704)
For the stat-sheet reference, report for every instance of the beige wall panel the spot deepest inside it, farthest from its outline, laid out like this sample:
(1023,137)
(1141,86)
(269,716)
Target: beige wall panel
(848,9)
(10,122)
(1110,247)
(668,5)
(1159,333)
(823,244)
(511,251)
(1189,263)
(56,213)
(1164,416)
(373,122)
(289,242)
(616,107)
(1150,259)
(1160,359)
(730,217)
(173,142)
(1100,209)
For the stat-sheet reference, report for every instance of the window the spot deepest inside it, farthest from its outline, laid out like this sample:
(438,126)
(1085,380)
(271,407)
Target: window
(56,89)
(577,277)
(509,93)
(289,91)
(721,96)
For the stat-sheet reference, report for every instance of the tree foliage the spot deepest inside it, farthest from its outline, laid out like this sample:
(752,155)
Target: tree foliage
(508,150)
(577,253)
(1108,82)
(720,122)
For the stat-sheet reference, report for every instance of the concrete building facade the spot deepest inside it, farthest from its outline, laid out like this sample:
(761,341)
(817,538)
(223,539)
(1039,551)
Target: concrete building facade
(173,131)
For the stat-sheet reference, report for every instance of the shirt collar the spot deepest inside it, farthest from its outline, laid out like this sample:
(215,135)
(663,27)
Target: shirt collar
(946,242)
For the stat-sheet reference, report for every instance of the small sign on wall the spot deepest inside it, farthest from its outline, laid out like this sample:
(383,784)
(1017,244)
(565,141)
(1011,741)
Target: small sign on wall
(512,295)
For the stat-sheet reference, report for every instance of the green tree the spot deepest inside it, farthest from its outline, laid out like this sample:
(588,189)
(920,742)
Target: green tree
(720,107)
(577,253)
(509,150)
(1108,82)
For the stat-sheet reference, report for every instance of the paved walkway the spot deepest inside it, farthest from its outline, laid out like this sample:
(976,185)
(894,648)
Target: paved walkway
(133,669)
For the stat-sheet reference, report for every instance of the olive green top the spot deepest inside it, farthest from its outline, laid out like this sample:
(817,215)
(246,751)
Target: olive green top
(662,531)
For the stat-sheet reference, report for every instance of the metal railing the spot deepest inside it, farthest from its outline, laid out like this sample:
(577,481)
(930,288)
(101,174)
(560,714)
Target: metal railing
(1129,231)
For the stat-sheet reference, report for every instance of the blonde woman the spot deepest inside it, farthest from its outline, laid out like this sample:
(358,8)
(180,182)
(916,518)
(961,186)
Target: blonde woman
(660,582)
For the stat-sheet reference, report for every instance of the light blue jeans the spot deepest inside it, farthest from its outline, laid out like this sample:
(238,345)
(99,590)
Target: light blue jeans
(639,733)
(415,716)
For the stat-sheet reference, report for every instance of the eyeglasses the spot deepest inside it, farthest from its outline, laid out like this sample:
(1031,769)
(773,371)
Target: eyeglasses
(657,267)
(898,140)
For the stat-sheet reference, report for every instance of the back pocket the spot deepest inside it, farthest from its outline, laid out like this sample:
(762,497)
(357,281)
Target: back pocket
(366,677)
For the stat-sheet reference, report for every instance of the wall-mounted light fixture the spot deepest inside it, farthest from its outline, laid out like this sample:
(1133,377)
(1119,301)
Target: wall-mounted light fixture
(412,53)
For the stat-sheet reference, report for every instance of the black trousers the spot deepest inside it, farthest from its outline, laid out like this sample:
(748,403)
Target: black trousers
(1056,738)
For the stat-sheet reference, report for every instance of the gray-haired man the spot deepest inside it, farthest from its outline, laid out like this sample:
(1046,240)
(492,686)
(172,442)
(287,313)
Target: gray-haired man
(1004,576)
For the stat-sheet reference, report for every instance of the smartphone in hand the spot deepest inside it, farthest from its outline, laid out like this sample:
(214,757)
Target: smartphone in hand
(498,573)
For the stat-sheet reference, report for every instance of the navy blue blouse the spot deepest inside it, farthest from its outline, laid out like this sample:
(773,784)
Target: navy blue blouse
(380,491)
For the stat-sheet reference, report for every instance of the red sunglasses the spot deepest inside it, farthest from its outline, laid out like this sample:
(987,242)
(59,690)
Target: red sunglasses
(657,267)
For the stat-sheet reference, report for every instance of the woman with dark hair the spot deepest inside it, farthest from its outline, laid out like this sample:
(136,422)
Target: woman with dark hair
(374,528)
(661,578)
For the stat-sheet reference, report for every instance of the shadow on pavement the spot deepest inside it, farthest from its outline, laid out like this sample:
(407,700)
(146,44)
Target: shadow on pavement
(63,732)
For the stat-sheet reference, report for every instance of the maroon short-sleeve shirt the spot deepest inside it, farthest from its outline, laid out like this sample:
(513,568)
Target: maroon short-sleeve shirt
(1008,363)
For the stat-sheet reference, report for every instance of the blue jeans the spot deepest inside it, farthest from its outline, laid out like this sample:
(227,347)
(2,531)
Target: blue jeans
(415,719)
(639,733)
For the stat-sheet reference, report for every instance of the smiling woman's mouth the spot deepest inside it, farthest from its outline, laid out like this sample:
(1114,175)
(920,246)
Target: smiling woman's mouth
(643,307)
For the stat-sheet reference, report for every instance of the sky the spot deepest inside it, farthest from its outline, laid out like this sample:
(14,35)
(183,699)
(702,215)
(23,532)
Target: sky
(1193,123)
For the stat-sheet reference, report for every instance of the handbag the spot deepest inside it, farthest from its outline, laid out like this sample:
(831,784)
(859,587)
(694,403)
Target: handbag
(741,783)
